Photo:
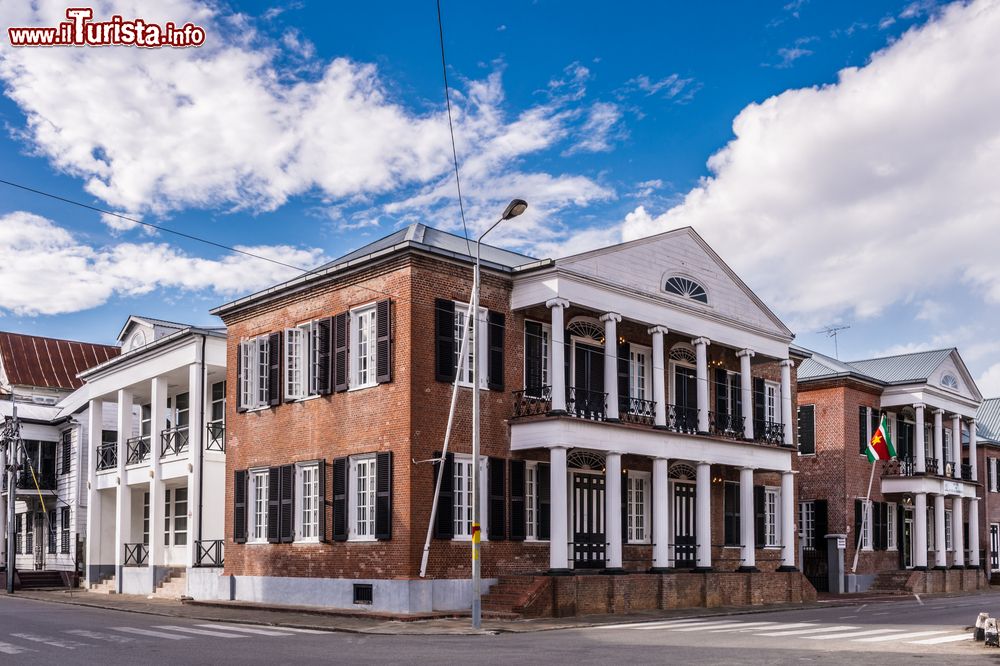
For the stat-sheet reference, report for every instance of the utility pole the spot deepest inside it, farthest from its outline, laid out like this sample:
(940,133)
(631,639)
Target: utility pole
(11,435)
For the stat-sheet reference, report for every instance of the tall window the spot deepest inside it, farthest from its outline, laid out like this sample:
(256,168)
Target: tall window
(64,520)
(363,343)
(258,510)
(183,401)
(537,338)
(638,507)
(531,501)
(772,502)
(301,360)
(807,524)
(463,364)
(639,375)
(463,497)
(890,526)
(145,519)
(772,395)
(309,510)
(363,492)
(254,361)
(867,517)
(949,541)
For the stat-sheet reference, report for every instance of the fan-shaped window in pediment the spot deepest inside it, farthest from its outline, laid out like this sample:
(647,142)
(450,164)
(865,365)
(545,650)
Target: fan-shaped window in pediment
(950,381)
(683,353)
(585,327)
(682,472)
(587,460)
(686,288)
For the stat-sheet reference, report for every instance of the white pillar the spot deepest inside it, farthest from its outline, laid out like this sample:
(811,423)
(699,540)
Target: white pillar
(956,445)
(611,320)
(920,531)
(748,536)
(920,453)
(788,522)
(746,389)
(703,516)
(559,523)
(973,452)
(957,534)
(974,532)
(940,552)
(661,515)
(939,441)
(613,510)
(786,400)
(196,432)
(95,427)
(659,379)
(557,356)
(701,369)
(157,424)
(123,500)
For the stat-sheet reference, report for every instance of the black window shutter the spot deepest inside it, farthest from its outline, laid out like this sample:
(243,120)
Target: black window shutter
(721,390)
(341,342)
(820,524)
(544,501)
(760,519)
(324,345)
(623,383)
(240,506)
(322,503)
(807,429)
(66,452)
(858,517)
(286,521)
(444,341)
(496,491)
(731,514)
(496,360)
(736,409)
(899,518)
(274,369)
(444,521)
(273,504)
(240,405)
(383,341)
(532,362)
(876,521)
(340,499)
(862,429)
(383,495)
(759,407)
(518,528)
(990,471)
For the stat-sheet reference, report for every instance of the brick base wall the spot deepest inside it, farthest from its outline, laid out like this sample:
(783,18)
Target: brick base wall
(953,580)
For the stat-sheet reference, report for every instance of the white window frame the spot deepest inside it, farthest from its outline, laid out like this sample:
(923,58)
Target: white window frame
(300,361)
(891,527)
(361,486)
(546,342)
(807,523)
(531,507)
(253,383)
(364,353)
(307,517)
(464,365)
(463,528)
(258,483)
(638,506)
(640,360)
(772,401)
(772,517)
(866,522)
(949,537)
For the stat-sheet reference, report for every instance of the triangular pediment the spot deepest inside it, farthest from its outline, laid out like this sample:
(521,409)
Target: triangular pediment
(953,376)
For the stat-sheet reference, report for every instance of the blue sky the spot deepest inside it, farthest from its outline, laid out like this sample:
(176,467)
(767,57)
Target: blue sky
(306,129)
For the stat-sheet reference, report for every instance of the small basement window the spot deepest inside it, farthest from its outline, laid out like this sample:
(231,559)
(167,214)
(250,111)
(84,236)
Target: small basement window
(363,593)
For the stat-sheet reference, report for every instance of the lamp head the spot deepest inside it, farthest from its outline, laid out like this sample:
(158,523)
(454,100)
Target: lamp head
(514,208)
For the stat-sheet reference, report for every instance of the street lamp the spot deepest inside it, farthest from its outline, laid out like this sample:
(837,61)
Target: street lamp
(513,209)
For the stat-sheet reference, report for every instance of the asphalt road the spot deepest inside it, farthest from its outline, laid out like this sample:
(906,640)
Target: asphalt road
(896,632)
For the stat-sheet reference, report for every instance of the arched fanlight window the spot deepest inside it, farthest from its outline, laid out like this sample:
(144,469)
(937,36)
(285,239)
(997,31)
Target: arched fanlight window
(682,471)
(950,381)
(585,327)
(683,353)
(686,288)
(587,460)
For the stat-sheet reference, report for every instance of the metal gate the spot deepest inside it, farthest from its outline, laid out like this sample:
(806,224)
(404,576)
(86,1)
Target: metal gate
(589,540)
(816,568)
(685,542)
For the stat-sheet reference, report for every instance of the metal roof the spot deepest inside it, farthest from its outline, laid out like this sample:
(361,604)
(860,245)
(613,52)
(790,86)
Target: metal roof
(30,360)
(913,367)
(988,420)
(819,365)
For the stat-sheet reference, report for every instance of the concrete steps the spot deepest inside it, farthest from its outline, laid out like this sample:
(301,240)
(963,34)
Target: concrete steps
(174,586)
(37,580)
(105,586)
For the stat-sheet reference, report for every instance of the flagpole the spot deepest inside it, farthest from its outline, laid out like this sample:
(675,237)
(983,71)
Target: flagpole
(865,517)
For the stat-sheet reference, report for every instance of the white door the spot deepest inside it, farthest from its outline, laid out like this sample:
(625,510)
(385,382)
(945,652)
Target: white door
(175,523)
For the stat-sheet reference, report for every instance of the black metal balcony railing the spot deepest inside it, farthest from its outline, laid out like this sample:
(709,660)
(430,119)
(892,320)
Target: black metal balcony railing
(682,419)
(24,481)
(899,467)
(966,472)
(772,433)
(107,455)
(137,450)
(725,425)
(136,554)
(532,401)
(174,441)
(209,553)
(637,410)
(586,404)
(216,437)
(931,466)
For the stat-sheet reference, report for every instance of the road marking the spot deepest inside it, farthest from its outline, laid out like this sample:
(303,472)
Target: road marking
(852,634)
(249,630)
(199,632)
(699,627)
(305,631)
(744,626)
(885,613)
(54,642)
(809,629)
(150,632)
(10,648)
(915,634)
(634,625)
(98,636)
(964,636)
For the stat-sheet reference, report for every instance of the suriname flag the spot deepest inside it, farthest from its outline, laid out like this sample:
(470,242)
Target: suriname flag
(880,447)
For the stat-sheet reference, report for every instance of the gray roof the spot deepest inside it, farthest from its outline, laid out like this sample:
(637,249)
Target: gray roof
(820,366)
(902,368)
(988,420)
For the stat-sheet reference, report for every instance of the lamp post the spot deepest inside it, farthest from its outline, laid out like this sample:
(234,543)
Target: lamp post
(514,208)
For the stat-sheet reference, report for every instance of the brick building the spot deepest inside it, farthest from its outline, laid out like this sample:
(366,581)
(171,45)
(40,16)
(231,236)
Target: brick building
(988,435)
(919,501)
(636,417)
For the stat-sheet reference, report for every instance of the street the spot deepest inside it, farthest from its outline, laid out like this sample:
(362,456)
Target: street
(893,632)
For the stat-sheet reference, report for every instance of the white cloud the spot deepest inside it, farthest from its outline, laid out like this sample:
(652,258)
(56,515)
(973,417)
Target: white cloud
(840,200)
(599,129)
(989,382)
(790,54)
(47,270)
(645,188)
(672,87)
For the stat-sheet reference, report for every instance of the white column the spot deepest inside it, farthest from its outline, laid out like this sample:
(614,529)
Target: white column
(786,400)
(956,445)
(557,356)
(920,453)
(95,426)
(661,514)
(920,531)
(611,320)
(701,369)
(196,432)
(157,424)
(559,523)
(703,516)
(748,537)
(940,552)
(973,453)
(974,532)
(788,522)
(123,500)
(613,510)
(939,441)
(957,533)
(659,378)
(746,389)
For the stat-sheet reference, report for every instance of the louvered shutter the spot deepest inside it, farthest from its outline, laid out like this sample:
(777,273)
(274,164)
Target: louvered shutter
(341,342)
(730,514)
(240,506)
(340,499)
(862,429)
(241,405)
(900,519)
(759,407)
(383,341)
(820,524)
(736,409)
(543,480)
(623,372)
(274,369)
(286,521)
(444,340)
(532,362)
(807,429)
(383,496)
(496,491)
(324,346)
(721,390)
(518,527)
(760,517)
(496,355)
(322,503)
(444,521)
(858,517)
(273,504)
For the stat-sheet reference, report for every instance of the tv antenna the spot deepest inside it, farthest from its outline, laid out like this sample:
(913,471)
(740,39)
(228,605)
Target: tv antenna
(831,332)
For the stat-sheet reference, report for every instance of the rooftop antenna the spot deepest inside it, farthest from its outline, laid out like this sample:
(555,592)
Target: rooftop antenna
(831,332)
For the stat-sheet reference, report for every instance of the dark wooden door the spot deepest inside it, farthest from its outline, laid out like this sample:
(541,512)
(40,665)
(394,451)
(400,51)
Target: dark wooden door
(685,544)
(907,545)
(587,395)
(589,541)
(686,397)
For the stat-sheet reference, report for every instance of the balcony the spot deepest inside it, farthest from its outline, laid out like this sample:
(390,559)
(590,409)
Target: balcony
(209,553)
(966,472)
(637,411)
(216,440)
(136,555)
(137,450)
(770,432)
(24,480)
(107,456)
(174,441)
(726,425)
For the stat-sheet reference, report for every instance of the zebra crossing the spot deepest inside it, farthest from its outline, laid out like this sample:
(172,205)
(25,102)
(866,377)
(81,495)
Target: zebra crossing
(76,639)
(807,631)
